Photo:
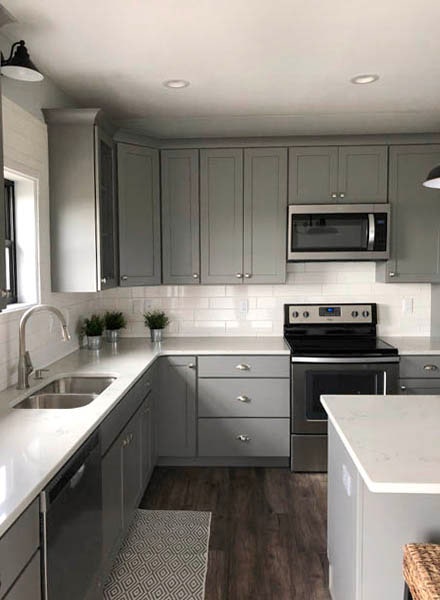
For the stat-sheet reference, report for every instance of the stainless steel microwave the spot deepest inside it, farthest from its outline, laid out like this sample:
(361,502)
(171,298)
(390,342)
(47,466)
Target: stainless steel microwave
(338,232)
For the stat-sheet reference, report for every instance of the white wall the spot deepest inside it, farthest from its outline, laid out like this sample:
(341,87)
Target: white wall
(26,152)
(218,310)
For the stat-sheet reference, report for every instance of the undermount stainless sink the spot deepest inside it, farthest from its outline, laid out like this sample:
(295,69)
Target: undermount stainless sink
(56,401)
(67,392)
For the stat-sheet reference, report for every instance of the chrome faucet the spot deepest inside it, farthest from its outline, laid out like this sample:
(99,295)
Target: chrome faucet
(25,366)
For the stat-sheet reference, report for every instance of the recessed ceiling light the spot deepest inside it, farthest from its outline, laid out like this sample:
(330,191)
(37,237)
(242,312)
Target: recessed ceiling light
(176,83)
(365,78)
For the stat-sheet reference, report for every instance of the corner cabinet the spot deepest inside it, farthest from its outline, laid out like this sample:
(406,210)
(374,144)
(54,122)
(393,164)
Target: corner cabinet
(415,217)
(180,217)
(243,198)
(139,215)
(338,174)
(82,200)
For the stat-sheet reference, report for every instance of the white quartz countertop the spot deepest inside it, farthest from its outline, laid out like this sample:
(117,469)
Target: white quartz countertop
(34,444)
(394,441)
(415,345)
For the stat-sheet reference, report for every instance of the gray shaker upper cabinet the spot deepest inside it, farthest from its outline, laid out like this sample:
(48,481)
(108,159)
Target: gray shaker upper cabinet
(363,174)
(331,174)
(265,201)
(3,290)
(139,215)
(221,213)
(82,200)
(313,175)
(180,217)
(415,214)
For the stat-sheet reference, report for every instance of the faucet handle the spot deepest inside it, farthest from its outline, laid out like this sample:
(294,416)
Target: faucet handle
(39,373)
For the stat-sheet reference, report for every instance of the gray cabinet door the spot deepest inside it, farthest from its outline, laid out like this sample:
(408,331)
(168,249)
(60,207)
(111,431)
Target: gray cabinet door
(221,212)
(419,387)
(28,585)
(112,508)
(176,408)
(415,217)
(139,215)
(147,440)
(105,188)
(265,201)
(131,466)
(313,175)
(180,216)
(363,174)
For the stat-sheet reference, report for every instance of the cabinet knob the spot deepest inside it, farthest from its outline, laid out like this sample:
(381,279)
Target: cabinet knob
(248,275)
(239,275)
(392,274)
(334,195)
(4,293)
(191,366)
(243,398)
(195,275)
(104,280)
(342,195)
(403,388)
(124,278)
(430,368)
(243,438)
(125,442)
(243,367)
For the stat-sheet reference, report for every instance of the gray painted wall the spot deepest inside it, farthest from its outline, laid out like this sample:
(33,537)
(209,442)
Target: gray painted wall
(33,96)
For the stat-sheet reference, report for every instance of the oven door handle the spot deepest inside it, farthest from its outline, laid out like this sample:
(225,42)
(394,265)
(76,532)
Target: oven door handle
(345,360)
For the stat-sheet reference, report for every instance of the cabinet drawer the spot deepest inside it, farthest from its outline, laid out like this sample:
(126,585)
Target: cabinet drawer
(244,366)
(18,544)
(420,366)
(420,387)
(28,585)
(122,413)
(244,398)
(260,437)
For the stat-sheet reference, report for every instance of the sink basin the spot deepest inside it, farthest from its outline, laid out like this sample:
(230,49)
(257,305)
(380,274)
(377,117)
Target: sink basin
(56,401)
(77,385)
(67,392)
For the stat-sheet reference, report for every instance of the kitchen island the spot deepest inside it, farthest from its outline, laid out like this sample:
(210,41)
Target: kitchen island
(383,489)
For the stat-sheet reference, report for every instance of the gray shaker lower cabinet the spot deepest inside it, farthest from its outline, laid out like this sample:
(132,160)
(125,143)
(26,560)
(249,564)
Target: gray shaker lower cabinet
(265,204)
(366,530)
(419,375)
(28,585)
(415,217)
(180,217)
(139,215)
(176,408)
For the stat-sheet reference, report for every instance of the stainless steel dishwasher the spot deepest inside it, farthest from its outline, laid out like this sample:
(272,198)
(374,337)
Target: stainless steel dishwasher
(71,521)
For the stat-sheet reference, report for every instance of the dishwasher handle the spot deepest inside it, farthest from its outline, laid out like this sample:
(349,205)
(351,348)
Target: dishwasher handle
(72,473)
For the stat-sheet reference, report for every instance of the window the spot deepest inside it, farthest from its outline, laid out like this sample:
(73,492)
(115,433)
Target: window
(10,240)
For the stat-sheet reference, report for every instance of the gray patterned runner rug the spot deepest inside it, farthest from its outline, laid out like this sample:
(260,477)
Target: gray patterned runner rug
(163,557)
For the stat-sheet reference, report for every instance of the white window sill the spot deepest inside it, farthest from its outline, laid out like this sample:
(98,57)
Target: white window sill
(11,308)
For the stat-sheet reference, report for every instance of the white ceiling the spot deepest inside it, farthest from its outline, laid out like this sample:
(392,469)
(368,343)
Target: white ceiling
(257,67)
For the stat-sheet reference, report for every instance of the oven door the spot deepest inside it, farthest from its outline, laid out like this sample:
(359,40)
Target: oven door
(338,376)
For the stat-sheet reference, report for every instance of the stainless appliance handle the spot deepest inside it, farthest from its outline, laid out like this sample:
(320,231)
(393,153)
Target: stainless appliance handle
(371,231)
(345,360)
(384,383)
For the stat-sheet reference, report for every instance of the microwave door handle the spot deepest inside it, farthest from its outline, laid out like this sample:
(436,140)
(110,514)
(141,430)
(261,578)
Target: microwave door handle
(371,232)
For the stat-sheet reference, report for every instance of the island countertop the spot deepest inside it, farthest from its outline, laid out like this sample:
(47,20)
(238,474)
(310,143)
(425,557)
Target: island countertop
(394,441)
(35,444)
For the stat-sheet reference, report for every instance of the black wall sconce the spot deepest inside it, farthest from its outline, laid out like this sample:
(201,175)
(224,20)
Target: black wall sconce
(19,65)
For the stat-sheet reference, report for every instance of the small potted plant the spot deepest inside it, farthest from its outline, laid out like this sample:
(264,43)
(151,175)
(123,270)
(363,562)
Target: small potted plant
(114,321)
(156,320)
(93,328)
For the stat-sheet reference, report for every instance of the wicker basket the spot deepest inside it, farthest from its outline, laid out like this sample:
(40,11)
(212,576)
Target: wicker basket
(421,570)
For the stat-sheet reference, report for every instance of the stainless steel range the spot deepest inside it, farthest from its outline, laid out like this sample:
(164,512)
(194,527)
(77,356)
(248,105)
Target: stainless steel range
(334,350)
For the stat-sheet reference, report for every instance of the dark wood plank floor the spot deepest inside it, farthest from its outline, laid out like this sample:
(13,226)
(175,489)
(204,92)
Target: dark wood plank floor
(268,530)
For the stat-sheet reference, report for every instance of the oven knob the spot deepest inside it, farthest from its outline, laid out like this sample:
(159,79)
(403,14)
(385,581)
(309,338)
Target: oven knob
(306,314)
(295,314)
(365,313)
(355,313)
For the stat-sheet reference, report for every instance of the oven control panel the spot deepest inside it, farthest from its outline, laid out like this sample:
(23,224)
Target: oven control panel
(312,314)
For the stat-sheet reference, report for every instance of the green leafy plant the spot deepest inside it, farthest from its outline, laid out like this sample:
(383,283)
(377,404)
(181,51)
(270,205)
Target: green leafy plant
(114,320)
(156,319)
(93,326)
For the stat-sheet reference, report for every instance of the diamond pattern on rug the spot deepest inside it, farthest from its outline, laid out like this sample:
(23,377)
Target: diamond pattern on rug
(163,557)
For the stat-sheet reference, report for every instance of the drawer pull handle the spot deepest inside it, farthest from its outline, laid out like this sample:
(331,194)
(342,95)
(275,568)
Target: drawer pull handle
(191,366)
(403,388)
(243,398)
(243,367)
(430,368)
(243,438)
